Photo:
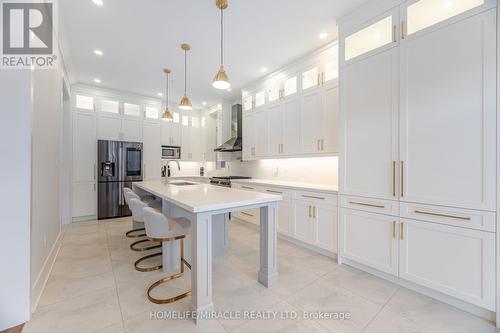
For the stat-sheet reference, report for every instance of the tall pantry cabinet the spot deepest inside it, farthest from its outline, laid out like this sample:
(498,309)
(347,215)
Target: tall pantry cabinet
(418,144)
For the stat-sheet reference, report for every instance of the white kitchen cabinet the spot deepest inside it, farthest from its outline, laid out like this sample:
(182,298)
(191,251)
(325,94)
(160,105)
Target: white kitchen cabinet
(302,228)
(370,239)
(248,136)
(369,126)
(456,261)
(261,136)
(152,150)
(448,131)
(209,134)
(275,127)
(171,131)
(109,127)
(131,130)
(84,200)
(325,234)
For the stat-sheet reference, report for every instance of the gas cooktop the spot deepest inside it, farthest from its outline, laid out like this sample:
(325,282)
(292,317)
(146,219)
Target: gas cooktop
(225,181)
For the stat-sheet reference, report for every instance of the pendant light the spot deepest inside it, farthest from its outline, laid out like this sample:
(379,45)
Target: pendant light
(221,80)
(185,103)
(167,114)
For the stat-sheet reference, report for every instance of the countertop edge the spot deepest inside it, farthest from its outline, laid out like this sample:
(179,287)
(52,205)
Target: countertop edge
(270,183)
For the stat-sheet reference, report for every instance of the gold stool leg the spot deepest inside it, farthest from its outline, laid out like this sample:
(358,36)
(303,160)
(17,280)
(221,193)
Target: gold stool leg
(130,233)
(148,269)
(133,246)
(170,278)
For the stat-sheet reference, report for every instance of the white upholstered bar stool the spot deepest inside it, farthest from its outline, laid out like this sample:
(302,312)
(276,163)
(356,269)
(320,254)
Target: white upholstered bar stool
(136,205)
(137,228)
(161,229)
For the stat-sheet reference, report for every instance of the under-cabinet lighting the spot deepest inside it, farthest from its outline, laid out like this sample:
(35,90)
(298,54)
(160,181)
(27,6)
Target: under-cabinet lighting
(98,53)
(323,35)
(97,80)
(263,69)
(98,2)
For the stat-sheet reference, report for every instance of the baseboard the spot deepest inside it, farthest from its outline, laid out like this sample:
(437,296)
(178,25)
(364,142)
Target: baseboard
(467,307)
(84,218)
(43,276)
(291,240)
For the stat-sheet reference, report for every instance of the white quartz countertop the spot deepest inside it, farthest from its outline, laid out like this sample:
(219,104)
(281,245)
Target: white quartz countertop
(289,184)
(201,198)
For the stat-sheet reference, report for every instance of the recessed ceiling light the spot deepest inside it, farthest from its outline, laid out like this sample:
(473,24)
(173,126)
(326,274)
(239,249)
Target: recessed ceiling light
(96,80)
(98,2)
(160,94)
(263,69)
(229,89)
(323,35)
(98,52)
(204,103)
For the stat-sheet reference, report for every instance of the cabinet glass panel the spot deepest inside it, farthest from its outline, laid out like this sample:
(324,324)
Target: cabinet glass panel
(369,38)
(247,102)
(110,106)
(84,102)
(133,110)
(151,112)
(176,117)
(273,92)
(260,98)
(185,121)
(310,78)
(290,86)
(424,13)
(331,70)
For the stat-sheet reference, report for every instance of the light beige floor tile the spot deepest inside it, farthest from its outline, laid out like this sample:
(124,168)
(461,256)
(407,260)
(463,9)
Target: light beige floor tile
(82,314)
(362,284)
(436,315)
(83,267)
(58,289)
(69,251)
(116,328)
(324,296)
(143,324)
(388,322)
(292,279)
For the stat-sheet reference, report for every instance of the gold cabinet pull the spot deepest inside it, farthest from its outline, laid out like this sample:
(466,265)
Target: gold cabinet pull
(393,178)
(310,211)
(365,204)
(247,188)
(394,34)
(317,145)
(403,30)
(394,229)
(322,144)
(312,197)
(282,148)
(319,79)
(402,179)
(464,218)
(401,228)
(272,191)
(323,78)
(247,214)
(314,211)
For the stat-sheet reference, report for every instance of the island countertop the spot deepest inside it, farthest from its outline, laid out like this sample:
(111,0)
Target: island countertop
(201,198)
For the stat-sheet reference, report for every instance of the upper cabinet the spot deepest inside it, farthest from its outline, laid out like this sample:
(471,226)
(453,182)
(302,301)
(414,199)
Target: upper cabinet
(296,110)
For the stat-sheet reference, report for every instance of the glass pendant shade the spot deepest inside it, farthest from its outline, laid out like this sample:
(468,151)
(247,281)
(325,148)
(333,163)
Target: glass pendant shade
(221,80)
(185,103)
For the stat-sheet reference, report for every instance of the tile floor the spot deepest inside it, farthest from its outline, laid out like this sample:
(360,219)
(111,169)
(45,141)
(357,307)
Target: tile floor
(94,288)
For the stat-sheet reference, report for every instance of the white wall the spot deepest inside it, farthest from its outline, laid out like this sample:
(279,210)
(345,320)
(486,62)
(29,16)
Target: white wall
(45,174)
(15,169)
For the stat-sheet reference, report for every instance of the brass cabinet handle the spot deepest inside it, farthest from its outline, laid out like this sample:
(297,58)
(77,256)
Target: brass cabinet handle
(394,229)
(401,226)
(247,214)
(314,211)
(403,30)
(271,191)
(322,144)
(318,145)
(319,79)
(323,78)
(310,211)
(464,218)
(247,188)
(393,178)
(402,178)
(394,34)
(312,197)
(365,204)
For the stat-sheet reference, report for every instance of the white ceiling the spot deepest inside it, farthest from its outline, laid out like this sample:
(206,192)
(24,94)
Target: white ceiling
(141,37)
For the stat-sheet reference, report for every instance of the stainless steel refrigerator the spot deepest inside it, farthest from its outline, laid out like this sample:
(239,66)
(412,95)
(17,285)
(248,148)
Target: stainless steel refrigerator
(119,164)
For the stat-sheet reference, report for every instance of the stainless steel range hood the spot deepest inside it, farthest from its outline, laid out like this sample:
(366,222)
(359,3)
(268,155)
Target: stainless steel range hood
(236,142)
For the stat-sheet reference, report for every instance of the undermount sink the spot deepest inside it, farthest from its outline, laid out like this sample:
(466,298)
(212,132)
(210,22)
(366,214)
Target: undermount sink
(181,183)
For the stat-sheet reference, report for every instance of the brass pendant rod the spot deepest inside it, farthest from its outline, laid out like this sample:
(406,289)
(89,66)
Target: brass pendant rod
(222,37)
(185,72)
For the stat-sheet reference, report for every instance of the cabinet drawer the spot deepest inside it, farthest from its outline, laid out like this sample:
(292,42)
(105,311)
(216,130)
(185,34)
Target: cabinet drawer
(466,218)
(247,187)
(279,191)
(370,205)
(317,198)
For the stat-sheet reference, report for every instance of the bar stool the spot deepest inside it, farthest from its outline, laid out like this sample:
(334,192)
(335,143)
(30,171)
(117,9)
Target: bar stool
(136,227)
(136,206)
(161,229)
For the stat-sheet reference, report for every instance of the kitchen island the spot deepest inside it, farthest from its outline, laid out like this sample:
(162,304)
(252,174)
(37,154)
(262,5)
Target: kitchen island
(202,204)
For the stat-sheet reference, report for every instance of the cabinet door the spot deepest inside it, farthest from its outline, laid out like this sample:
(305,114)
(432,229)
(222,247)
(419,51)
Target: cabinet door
(109,127)
(261,134)
(248,135)
(456,261)
(284,225)
(312,121)
(186,143)
(369,126)
(275,118)
(132,130)
(448,114)
(369,239)
(330,129)
(291,125)
(325,228)
(166,138)
(84,147)
(152,150)
(84,199)
(196,144)
(303,221)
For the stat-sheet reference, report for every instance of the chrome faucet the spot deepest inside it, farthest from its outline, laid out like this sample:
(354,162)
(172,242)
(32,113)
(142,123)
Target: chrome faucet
(168,166)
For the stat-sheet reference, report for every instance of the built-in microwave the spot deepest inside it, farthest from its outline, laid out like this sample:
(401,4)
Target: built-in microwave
(170,152)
